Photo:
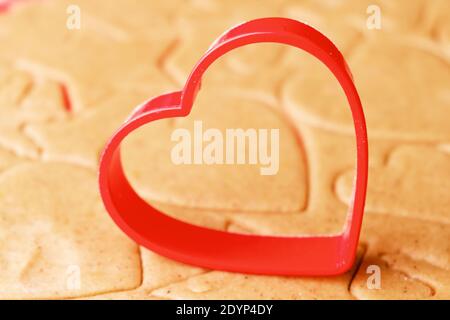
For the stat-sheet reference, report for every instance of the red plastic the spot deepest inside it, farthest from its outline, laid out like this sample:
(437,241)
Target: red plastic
(6,5)
(316,255)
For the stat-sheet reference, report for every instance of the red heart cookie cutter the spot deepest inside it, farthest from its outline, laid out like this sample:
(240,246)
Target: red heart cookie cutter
(184,242)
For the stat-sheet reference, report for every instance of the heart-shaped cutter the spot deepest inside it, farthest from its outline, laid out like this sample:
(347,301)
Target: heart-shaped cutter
(191,244)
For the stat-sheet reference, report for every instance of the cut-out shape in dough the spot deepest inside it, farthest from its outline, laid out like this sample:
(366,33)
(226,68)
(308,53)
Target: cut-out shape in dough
(415,182)
(56,240)
(148,163)
(402,99)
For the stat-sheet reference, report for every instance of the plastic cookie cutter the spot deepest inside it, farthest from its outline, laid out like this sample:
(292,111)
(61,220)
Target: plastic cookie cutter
(245,253)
